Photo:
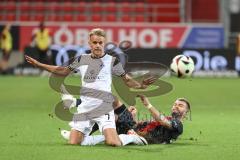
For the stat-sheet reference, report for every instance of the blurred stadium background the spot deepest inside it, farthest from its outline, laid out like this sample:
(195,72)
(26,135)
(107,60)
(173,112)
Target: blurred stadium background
(159,29)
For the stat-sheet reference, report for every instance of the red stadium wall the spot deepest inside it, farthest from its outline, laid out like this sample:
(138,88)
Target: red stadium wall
(109,11)
(97,11)
(205,10)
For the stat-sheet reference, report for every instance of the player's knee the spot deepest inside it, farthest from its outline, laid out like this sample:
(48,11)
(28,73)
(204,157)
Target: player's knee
(76,137)
(113,143)
(73,142)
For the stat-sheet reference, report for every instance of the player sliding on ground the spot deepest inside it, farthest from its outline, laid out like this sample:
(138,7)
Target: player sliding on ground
(162,129)
(96,71)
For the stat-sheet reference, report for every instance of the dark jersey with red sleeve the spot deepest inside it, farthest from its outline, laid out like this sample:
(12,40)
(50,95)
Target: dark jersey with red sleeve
(155,133)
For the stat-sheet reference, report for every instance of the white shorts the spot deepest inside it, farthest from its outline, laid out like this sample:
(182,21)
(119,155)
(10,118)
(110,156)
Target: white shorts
(104,121)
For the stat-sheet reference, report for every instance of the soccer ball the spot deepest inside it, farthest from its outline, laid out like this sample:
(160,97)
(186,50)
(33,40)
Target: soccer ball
(182,66)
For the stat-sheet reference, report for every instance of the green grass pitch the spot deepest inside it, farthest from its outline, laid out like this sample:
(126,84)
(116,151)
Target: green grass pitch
(28,132)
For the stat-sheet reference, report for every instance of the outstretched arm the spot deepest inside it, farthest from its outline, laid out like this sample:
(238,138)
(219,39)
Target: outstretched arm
(59,70)
(133,111)
(155,113)
(130,82)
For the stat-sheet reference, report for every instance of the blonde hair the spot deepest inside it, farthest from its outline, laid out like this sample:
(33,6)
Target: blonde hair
(98,32)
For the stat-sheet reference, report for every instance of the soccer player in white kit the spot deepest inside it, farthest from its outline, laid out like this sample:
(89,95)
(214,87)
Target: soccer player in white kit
(96,71)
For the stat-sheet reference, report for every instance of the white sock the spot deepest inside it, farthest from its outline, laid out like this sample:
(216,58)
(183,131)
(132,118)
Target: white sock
(87,141)
(126,139)
(92,140)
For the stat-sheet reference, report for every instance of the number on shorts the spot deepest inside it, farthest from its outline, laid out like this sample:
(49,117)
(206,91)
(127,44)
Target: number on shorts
(108,115)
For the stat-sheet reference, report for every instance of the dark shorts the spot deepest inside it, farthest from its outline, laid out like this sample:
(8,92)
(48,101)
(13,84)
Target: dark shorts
(124,122)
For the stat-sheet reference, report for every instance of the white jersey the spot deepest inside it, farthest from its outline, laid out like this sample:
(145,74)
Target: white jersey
(96,76)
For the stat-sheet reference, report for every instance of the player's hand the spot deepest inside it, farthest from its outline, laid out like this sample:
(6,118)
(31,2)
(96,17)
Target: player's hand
(32,61)
(144,100)
(132,109)
(148,81)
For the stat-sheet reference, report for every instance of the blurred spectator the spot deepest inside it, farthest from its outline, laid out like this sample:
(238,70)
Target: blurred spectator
(238,44)
(42,41)
(6,47)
